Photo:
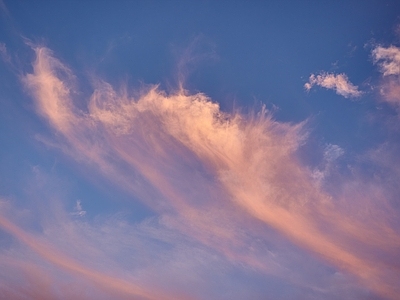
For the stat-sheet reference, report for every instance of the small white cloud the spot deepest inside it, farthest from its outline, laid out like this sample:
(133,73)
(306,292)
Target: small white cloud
(340,83)
(332,152)
(388,59)
(78,210)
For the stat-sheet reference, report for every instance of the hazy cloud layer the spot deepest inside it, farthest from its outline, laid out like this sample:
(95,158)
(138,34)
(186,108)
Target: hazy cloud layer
(228,189)
(338,82)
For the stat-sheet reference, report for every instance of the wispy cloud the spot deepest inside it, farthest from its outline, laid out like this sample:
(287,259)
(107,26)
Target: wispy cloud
(78,209)
(216,178)
(113,285)
(338,82)
(330,155)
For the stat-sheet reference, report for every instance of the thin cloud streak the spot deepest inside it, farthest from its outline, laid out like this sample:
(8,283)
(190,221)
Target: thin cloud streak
(247,165)
(338,82)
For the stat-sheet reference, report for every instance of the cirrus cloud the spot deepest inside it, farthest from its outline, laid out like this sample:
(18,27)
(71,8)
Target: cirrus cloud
(223,180)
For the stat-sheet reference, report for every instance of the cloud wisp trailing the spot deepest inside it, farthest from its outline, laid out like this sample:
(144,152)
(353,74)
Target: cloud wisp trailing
(337,82)
(222,181)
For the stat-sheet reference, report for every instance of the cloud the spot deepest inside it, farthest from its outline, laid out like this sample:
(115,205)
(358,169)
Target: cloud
(78,209)
(151,254)
(388,60)
(340,83)
(47,86)
(229,183)
(330,155)
(66,234)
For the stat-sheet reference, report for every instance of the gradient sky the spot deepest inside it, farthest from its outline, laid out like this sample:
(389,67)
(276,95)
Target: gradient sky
(200,150)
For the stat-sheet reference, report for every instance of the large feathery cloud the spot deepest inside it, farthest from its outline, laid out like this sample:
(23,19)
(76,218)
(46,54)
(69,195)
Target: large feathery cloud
(227,189)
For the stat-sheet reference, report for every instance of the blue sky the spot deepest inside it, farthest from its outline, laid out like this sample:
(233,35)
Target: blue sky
(199,150)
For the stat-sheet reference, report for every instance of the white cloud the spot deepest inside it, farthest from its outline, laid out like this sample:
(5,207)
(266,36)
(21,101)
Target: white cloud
(388,59)
(78,209)
(340,83)
(332,152)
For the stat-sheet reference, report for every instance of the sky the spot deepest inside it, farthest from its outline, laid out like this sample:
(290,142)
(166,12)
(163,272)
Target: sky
(200,150)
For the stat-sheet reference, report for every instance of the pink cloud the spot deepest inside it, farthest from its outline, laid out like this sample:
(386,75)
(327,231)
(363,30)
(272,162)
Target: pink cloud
(340,83)
(211,173)
(388,60)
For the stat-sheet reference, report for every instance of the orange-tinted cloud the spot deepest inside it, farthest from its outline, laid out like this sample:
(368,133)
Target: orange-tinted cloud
(212,171)
(340,83)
